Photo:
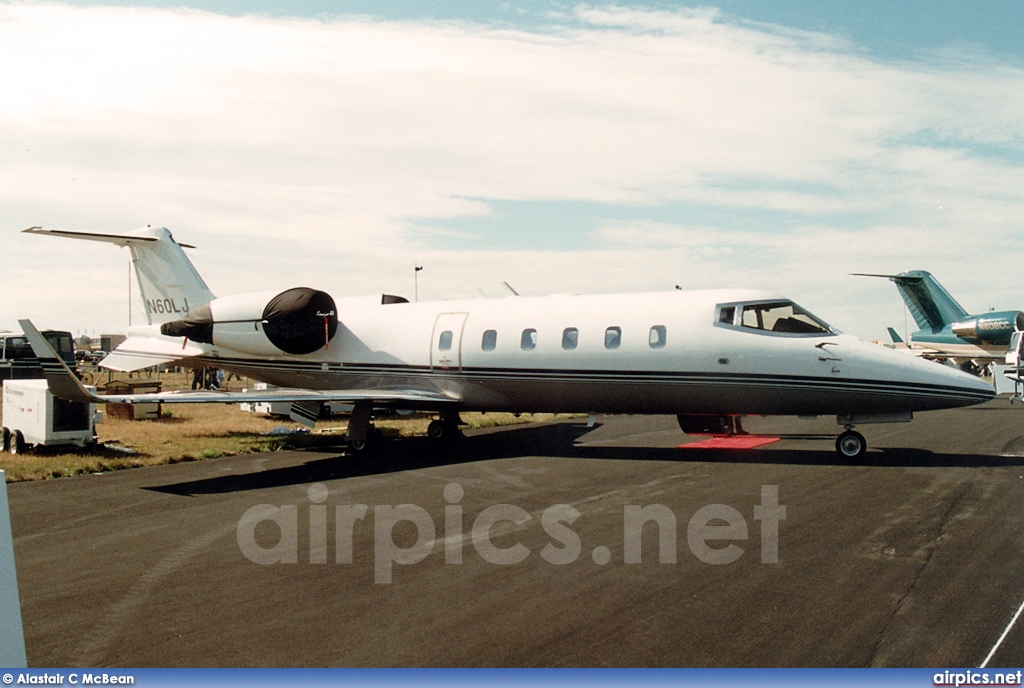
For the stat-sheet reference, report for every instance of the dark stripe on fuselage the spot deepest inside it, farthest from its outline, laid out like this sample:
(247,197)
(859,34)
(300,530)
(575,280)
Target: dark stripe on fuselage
(506,381)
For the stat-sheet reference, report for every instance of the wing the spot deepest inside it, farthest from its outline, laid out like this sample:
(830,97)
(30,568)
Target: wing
(63,384)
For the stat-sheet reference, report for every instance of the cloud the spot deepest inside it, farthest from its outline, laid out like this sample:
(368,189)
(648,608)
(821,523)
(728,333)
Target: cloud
(333,152)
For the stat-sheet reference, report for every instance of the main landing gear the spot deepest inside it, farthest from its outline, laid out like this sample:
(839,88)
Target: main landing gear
(362,437)
(371,439)
(445,429)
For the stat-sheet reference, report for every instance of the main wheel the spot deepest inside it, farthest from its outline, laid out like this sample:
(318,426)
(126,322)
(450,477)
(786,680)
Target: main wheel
(6,439)
(437,430)
(17,442)
(851,445)
(363,446)
(443,430)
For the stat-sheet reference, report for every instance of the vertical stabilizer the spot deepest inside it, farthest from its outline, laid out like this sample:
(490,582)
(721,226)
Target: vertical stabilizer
(931,305)
(168,282)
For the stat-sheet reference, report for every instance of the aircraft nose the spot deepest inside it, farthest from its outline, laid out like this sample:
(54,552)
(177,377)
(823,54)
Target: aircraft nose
(956,388)
(925,385)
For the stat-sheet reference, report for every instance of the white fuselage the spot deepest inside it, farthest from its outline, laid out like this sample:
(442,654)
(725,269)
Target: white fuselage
(634,353)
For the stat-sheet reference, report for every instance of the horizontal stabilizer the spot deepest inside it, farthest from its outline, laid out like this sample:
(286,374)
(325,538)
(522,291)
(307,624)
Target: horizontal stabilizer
(119,239)
(892,277)
(137,353)
(129,363)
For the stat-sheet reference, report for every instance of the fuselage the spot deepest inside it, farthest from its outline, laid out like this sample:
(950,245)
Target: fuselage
(670,352)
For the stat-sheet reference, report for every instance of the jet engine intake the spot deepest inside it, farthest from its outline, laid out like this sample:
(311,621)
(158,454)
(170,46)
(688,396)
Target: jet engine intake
(296,321)
(991,328)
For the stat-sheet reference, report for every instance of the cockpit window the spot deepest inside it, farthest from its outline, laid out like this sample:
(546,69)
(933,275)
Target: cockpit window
(778,317)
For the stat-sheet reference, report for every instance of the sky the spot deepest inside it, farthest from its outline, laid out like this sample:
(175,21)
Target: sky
(560,147)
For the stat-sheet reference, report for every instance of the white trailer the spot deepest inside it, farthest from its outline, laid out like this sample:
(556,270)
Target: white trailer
(34,417)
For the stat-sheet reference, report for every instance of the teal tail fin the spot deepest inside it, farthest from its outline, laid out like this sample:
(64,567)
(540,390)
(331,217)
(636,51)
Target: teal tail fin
(931,305)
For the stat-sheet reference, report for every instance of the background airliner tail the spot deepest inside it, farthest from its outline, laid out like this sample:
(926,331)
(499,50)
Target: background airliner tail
(929,302)
(168,282)
(931,305)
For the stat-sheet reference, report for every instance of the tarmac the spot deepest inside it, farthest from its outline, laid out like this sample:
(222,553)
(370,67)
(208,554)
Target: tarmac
(911,556)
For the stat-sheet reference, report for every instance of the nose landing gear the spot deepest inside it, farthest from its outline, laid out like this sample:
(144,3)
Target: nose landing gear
(851,444)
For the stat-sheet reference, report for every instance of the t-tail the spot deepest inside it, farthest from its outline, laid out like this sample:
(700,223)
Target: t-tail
(931,305)
(168,282)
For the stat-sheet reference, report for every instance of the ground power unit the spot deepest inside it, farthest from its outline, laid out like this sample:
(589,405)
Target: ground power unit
(34,417)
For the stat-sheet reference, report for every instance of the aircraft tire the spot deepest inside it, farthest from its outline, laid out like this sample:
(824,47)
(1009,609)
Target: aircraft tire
(6,439)
(365,446)
(851,445)
(443,431)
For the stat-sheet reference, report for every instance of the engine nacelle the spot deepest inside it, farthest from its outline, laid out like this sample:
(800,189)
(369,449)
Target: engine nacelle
(991,328)
(296,321)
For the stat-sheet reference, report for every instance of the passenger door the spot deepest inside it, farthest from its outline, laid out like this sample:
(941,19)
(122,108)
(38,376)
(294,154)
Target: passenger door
(446,342)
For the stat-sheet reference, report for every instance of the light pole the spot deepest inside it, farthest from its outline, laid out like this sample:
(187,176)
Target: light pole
(416,280)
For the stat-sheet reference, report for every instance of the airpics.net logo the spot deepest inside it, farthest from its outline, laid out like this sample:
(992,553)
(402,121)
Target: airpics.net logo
(711,532)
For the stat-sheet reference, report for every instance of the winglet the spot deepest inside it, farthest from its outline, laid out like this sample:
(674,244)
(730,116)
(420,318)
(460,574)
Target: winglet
(62,383)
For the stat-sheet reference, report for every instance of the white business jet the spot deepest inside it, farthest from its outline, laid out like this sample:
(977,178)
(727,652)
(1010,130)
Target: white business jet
(707,357)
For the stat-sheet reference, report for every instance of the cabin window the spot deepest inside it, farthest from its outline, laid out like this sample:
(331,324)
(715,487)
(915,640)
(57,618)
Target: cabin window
(529,340)
(612,337)
(570,338)
(490,340)
(657,337)
(781,316)
(444,342)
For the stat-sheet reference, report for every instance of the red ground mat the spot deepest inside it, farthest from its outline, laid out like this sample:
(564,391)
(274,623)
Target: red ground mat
(732,442)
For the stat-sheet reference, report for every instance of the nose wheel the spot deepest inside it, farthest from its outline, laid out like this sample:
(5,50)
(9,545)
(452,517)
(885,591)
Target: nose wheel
(851,445)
